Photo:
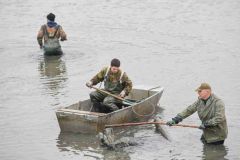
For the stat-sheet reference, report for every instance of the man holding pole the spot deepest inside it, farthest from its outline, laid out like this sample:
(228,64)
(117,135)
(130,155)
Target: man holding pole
(211,111)
(116,82)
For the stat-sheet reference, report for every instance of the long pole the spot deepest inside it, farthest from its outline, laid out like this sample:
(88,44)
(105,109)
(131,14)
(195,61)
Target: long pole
(115,96)
(145,123)
(106,92)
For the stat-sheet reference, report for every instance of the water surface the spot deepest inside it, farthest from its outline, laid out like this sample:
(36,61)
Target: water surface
(176,44)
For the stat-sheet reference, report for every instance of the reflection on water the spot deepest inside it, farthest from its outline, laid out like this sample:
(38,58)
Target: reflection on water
(87,147)
(214,152)
(53,73)
(72,141)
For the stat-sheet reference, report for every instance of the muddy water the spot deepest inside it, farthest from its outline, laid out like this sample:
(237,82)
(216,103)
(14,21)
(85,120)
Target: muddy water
(176,44)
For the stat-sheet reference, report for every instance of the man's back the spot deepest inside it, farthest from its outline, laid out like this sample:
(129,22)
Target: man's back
(48,36)
(47,32)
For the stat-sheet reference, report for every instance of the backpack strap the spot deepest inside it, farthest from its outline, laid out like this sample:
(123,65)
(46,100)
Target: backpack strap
(106,74)
(56,31)
(46,32)
(120,79)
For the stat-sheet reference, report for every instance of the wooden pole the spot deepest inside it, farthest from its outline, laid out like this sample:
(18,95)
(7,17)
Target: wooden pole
(115,96)
(106,92)
(145,123)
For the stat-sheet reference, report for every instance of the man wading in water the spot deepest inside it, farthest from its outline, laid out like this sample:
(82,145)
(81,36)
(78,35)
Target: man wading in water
(211,112)
(50,34)
(116,82)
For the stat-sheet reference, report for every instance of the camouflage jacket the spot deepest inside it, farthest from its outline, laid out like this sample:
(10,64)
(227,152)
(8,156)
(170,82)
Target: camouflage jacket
(113,78)
(43,36)
(212,114)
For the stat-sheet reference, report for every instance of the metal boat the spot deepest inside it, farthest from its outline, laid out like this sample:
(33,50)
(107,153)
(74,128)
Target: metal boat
(78,118)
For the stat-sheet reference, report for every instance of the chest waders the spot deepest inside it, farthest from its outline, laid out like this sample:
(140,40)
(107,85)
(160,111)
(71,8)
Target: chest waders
(114,87)
(52,45)
(103,102)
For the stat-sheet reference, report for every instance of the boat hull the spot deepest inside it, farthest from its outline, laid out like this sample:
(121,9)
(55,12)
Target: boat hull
(77,118)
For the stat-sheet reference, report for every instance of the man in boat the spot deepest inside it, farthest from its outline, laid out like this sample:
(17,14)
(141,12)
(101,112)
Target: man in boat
(116,82)
(50,33)
(211,111)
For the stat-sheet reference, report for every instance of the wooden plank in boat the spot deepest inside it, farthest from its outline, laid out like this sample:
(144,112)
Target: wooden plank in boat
(83,112)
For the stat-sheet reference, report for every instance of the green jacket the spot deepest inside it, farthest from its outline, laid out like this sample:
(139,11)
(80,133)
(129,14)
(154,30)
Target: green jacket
(113,82)
(213,115)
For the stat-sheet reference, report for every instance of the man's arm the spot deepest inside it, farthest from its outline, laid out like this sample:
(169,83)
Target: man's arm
(99,77)
(127,83)
(189,110)
(40,37)
(184,114)
(62,34)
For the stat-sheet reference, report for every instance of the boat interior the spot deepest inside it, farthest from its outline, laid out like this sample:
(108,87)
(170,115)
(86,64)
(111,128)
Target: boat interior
(136,96)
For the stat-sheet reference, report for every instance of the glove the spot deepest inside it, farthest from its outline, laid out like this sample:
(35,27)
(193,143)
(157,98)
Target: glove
(122,94)
(63,39)
(202,126)
(170,123)
(174,120)
(89,84)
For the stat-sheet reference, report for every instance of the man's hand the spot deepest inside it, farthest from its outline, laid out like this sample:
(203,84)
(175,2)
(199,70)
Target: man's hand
(41,46)
(122,94)
(174,120)
(63,39)
(170,123)
(89,84)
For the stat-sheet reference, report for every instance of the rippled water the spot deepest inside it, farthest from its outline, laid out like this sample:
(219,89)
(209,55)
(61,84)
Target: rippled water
(176,44)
